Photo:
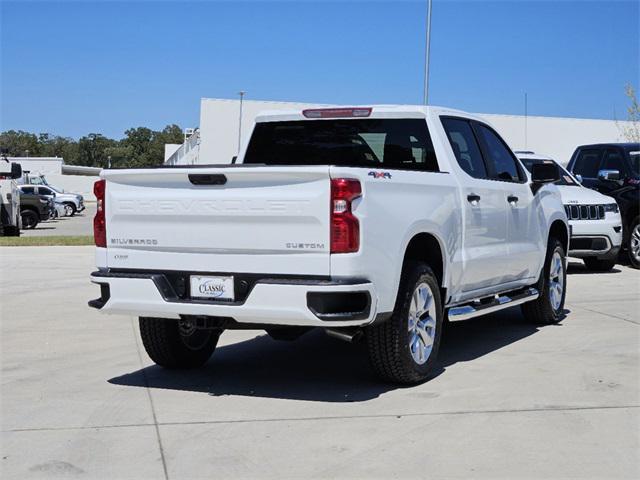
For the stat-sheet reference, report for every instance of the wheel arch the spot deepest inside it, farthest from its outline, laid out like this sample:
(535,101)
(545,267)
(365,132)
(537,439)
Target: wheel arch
(559,230)
(427,247)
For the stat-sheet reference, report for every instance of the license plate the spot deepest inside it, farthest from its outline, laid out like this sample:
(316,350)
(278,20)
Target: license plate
(214,288)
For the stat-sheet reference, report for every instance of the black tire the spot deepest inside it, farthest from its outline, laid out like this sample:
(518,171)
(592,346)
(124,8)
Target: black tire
(73,208)
(598,265)
(170,346)
(389,343)
(541,311)
(632,242)
(30,219)
(11,231)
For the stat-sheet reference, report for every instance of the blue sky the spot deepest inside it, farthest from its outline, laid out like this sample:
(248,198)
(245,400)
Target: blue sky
(71,68)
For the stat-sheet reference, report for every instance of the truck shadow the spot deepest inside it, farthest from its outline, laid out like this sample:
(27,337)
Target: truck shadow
(319,368)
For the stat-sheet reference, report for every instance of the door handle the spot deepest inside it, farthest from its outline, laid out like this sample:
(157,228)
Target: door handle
(473,199)
(512,199)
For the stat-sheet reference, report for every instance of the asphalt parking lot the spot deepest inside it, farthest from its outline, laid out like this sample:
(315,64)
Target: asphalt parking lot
(80,398)
(80,224)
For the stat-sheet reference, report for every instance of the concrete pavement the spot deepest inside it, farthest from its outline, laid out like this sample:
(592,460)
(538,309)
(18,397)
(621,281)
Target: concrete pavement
(80,398)
(80,224)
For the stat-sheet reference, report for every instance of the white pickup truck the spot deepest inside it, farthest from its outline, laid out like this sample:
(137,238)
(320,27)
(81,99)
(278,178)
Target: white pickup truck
(369,222)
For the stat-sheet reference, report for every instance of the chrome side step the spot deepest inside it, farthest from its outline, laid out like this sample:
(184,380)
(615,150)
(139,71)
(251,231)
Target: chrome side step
(500,302)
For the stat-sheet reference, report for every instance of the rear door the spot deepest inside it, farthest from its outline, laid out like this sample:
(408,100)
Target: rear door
(271,220)
(485,218)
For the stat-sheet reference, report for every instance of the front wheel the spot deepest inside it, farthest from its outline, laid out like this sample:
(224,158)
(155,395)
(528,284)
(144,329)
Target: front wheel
(404,348)
(177,344)
(548,307)
(634,243)
(70,208)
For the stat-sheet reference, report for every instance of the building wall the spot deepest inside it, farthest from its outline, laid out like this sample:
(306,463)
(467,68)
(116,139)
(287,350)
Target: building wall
(74,184)
(43,165)
(552,136)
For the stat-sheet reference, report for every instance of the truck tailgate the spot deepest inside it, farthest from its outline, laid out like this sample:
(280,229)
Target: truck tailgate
(219,219)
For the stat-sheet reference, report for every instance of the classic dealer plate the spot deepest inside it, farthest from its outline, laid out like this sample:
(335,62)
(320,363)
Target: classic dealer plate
(213,288)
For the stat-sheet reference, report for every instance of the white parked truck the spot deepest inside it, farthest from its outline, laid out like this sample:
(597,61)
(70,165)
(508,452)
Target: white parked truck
(369,222)
(10,221)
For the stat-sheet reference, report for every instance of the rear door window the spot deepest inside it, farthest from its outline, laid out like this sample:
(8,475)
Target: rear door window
(403,144)
(465,146)
(28,190)
(587,163)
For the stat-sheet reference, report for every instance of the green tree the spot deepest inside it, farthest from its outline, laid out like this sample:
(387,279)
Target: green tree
(141,147)
(92,150)
(19,142)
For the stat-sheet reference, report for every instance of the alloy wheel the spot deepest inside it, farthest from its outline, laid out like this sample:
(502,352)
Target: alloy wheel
(556,281)
(635,242)
(422,323)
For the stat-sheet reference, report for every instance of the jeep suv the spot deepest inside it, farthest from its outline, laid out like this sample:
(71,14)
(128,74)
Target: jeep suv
(614,170)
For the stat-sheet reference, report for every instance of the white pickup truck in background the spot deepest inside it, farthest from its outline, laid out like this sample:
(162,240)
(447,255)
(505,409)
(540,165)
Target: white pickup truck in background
(370,222)
(10,221)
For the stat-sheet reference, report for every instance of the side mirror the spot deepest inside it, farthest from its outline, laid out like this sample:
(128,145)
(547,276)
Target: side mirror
(233,159)
(578,177)
(16,170)
(543,173)
(609,175)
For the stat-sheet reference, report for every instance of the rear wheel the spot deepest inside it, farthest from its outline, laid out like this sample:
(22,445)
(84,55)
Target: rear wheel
(30,219)
(634,243)
(548,307)
(177,344)
(597,265)
(404,348)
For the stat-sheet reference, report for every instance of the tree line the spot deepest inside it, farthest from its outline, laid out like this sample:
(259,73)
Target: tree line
(140,147)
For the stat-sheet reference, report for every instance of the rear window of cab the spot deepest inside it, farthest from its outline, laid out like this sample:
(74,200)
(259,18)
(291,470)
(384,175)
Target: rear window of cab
(403,144)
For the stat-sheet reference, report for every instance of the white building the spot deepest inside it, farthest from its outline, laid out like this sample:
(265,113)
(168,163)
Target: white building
(217,139)
(71,178)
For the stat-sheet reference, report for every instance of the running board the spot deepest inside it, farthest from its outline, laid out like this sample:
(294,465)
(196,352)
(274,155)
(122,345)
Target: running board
(500,302)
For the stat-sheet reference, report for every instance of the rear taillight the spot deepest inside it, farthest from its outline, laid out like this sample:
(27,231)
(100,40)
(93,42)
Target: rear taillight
(345,228)
(99,221)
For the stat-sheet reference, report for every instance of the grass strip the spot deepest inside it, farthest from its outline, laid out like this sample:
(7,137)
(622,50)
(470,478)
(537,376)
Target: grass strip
(54,240)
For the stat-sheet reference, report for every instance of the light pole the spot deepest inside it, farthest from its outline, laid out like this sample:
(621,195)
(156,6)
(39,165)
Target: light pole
(427,54)
(526,113)
(241,93)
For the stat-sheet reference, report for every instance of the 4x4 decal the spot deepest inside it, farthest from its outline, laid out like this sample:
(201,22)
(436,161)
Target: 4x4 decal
(379,174)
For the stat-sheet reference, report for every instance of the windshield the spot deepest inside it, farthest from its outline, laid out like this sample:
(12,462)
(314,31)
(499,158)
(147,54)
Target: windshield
(374,143)
(565,177)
